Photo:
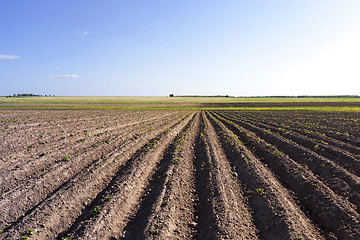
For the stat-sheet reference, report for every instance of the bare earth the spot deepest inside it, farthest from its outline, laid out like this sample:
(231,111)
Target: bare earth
(179,174)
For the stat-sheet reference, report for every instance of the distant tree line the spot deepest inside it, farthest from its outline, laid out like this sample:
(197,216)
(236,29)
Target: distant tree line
(310,96)
(28,95)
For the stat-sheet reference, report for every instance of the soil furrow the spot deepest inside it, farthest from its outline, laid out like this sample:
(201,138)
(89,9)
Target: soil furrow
(333,131)
(40,131)
(233,216)
(317,136)
(37,189)
(347,160)
(205,219)
(275,213)
(39,158)
(172,173)
(82,188)
(124,191)
(73,120)
(333,214)
(166,211)
(289,127)
(46,164)
(334,176)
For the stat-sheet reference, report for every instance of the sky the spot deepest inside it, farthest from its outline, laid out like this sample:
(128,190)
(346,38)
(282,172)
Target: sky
(187,47)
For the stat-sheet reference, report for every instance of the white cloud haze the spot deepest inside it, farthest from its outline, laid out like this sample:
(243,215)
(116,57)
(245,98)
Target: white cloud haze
(334,70)
(66,76)
(9,57)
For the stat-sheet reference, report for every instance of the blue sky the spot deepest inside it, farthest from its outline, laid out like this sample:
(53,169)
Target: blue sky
(153,48)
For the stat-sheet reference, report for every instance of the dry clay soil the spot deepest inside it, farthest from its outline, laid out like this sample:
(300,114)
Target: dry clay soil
(178,174)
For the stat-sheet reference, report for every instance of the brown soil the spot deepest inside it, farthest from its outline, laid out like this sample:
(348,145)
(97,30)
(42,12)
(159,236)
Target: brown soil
(172,174)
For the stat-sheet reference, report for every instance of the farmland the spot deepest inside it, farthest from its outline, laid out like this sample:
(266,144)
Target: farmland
(179,169)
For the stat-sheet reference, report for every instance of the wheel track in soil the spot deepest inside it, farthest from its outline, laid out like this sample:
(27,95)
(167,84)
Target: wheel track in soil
(103,169)
(334,176)
(11,179)
(133,179)
(333,214)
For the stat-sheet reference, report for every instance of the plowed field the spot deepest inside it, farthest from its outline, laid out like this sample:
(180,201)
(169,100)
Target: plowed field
(179,174)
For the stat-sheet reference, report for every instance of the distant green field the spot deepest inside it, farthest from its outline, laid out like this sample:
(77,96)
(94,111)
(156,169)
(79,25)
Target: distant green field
(186,103)
(161,100)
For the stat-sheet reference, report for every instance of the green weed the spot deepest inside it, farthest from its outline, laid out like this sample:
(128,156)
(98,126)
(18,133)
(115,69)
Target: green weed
(96,210)
(153,231)
(259,191)
(28,234)
(176,161)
